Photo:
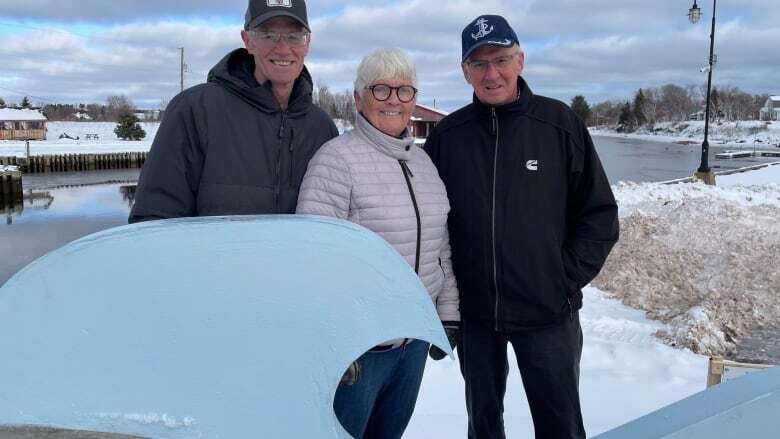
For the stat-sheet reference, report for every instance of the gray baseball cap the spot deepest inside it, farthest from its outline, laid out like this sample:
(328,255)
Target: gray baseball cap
(258,11)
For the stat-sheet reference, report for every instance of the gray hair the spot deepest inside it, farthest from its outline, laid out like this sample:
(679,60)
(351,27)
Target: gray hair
(384,64)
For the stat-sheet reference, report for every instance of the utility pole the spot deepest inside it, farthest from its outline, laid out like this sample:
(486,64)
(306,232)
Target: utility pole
(181,74)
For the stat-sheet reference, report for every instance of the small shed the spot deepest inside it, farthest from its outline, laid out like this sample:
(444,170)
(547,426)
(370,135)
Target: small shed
(22,124)
(424,118)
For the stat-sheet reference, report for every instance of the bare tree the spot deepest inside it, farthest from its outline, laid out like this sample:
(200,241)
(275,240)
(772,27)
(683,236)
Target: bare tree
(118,105)
(675,103)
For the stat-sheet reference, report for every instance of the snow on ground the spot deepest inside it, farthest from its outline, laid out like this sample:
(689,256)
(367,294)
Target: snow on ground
(700,258)
(625,373)
(107,141)
(736,134)
(694,267)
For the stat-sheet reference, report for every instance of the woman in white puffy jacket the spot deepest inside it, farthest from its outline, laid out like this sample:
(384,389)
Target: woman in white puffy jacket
(375,176)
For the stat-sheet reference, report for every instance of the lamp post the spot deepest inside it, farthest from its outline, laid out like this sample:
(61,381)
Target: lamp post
(704,173)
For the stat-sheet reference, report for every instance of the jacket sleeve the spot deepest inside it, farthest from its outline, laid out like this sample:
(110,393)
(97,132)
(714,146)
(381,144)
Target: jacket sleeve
(592,215)
(432,147)
(167,187)
(448,302)
(327,186)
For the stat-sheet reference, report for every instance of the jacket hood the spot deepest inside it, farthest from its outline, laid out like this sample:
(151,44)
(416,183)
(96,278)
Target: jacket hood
(522,103)
(235,72)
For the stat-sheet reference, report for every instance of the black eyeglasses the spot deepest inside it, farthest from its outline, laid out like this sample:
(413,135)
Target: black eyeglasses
(382,92)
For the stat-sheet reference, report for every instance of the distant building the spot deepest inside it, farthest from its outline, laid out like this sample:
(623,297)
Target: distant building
(22,124)
(147,115)
(424,118)
(699,115)
(771,110)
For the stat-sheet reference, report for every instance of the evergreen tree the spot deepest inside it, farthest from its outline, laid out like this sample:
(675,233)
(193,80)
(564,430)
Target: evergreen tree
(26,102)
(581,107)
(2,103)
(626,119)
(639,108)
(128,128)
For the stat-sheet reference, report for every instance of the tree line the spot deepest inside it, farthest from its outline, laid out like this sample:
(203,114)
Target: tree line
(112,110)
(337,105)
(671,103)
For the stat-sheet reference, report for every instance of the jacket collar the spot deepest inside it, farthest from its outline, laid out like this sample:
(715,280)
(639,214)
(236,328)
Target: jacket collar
(236,73)
(521,104)
(397,148)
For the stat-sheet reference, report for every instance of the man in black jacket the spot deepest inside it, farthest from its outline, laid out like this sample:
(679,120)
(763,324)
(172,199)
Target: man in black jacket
(240,143)
(533,219)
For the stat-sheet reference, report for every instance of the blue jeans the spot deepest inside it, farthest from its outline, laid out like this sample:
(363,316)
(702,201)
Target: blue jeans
(381,403)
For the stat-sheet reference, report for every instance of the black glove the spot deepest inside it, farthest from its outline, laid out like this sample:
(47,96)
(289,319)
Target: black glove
(351,375)
(452,329)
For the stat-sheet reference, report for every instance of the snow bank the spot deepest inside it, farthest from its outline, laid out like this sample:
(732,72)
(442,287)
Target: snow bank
(702,259)
(745,133)
(620,357)
(107,141)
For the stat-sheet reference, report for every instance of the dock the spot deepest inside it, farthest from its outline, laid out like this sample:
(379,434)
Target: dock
(733,154)
(10,186)
(76,162)
(743,154)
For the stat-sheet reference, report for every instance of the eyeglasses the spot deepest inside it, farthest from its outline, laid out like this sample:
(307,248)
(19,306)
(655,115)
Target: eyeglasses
(382,92)
(501,63)
(271,38)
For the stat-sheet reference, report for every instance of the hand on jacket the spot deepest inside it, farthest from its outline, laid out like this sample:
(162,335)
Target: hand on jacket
(351,375)
(452,329)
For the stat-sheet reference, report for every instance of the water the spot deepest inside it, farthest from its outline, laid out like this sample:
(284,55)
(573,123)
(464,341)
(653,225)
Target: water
(60,208)
(640,161)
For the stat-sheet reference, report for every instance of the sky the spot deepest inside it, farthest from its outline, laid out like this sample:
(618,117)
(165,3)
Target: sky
(68,51)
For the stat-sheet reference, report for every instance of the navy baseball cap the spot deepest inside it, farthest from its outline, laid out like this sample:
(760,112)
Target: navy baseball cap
(485,30)
(259,11)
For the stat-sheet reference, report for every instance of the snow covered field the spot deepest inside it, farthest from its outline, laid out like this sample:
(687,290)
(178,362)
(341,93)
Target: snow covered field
(107,141)
(738,134)
(627,371)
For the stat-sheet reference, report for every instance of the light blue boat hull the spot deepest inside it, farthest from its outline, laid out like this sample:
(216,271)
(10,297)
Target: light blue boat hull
(228,327)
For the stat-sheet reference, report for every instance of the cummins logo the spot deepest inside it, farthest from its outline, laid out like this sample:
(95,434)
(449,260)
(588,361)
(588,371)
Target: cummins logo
(532,165)
(283,3)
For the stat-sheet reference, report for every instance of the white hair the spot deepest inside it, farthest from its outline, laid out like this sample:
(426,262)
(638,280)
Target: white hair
(385,64)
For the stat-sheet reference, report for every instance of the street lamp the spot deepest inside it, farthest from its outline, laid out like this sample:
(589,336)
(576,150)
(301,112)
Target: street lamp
(704,172)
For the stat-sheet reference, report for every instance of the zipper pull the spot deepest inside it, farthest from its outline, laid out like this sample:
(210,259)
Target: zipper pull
(571,310)
(494,119)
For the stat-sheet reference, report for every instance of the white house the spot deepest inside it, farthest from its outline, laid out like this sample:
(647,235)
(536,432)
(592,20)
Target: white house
(771,110)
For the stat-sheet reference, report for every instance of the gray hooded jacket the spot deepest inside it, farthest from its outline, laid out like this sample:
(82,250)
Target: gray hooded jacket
(227,148)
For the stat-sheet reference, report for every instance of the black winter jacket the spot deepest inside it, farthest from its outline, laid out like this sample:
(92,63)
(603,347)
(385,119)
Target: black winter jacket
(227,148)
(533,217)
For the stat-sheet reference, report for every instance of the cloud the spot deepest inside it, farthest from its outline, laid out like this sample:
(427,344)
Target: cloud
(603,49)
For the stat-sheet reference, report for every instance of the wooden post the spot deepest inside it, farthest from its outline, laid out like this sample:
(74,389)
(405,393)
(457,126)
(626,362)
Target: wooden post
(10,186)
(715,371)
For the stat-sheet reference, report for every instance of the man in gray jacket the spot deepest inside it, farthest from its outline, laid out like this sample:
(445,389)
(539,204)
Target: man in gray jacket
(240,143)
